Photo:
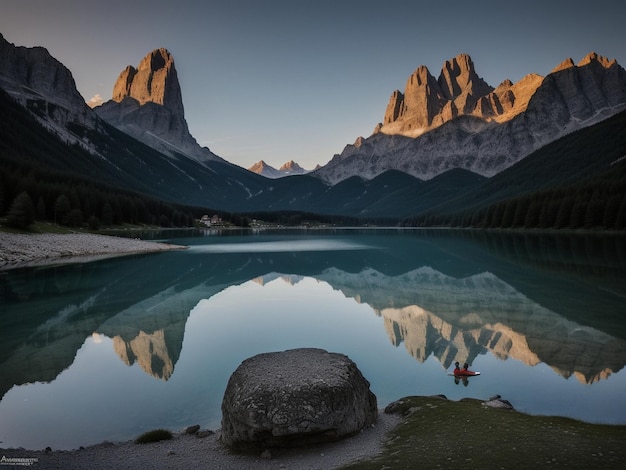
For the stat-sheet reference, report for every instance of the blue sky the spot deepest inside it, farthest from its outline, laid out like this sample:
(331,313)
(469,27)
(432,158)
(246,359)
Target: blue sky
(279,80)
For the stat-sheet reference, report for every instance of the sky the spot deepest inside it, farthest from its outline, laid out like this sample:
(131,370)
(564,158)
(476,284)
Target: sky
(280,80)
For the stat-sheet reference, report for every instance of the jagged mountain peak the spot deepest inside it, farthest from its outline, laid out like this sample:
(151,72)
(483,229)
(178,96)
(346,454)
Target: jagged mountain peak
(153,81)
(459,121)
(459,76)
(147,103)
(428,103)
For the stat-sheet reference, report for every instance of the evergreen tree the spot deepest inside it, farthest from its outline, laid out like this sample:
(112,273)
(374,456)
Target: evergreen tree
(107,214)
(41,209)
(93,222)
(532,214)
(22,211)
(519,217)
(497,216)
(61,209)
(611,208)
(620,219)
(595,210)
(509,213)
(577,216)
(75,218)
(564,214)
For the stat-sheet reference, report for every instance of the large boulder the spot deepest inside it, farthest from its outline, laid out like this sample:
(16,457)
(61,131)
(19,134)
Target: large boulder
(295,398)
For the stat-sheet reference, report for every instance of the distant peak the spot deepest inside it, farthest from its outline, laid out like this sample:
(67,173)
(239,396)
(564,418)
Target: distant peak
(290,166)
(259,166)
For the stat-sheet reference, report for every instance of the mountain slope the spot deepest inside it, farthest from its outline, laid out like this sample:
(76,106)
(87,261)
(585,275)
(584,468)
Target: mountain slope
(120,161)
(586,168)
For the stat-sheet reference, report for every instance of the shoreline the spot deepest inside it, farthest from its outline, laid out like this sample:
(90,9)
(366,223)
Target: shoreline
(43,249)
(204,450)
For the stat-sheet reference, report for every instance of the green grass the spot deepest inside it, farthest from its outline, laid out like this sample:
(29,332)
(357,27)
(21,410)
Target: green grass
(439,433)
(154,436)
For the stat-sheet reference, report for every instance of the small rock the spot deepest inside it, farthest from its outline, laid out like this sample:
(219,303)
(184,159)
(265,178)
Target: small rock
(171,452)
(192,429)
(498,403)
(267,454)
(394,407)
(205,433)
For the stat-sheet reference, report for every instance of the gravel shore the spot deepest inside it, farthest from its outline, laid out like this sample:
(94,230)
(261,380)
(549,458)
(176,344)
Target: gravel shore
(189,451)
(18,250)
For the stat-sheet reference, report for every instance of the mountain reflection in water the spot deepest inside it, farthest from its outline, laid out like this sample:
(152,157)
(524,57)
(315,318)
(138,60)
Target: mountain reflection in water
(515,305)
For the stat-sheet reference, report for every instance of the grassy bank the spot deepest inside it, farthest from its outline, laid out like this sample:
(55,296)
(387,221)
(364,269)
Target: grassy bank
(439,433)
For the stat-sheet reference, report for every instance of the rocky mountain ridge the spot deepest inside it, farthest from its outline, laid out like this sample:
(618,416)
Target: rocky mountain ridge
(44,86)
(459,121)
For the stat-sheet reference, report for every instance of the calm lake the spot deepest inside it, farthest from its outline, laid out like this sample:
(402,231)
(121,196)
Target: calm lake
(109,349)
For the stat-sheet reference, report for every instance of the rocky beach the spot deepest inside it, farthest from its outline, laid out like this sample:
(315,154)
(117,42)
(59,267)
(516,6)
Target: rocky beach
(20,250)
(203,450)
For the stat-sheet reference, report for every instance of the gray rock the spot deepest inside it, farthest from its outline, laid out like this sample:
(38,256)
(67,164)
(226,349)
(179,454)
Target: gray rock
(497,402)
(192,429)
(295,398)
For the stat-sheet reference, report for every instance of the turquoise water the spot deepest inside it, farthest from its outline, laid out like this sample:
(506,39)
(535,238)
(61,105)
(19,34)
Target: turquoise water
(109,349)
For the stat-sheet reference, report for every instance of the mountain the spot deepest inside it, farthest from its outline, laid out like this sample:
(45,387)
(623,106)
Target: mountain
(288,169)
(292,168)
(389,195)
(48,130)
(459,121)
(147,104)
(263,169)
(49,135)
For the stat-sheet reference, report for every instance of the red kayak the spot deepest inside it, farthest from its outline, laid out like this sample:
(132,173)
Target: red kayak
(464,373)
